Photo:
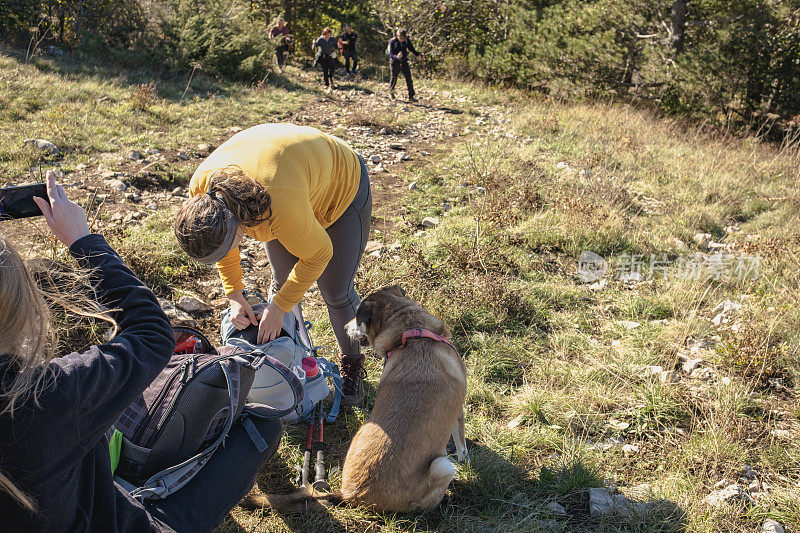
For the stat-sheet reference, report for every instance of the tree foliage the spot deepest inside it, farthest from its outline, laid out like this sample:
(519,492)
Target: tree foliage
(712,59)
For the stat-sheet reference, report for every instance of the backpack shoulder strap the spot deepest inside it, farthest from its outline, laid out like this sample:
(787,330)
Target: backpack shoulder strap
(331,370)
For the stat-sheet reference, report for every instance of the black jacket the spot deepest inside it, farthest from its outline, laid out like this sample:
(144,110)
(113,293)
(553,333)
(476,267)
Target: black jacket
(58,452)
(396,46)
(351,39)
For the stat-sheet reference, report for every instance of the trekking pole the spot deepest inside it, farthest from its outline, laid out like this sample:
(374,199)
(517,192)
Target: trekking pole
(320,481)
(305,472)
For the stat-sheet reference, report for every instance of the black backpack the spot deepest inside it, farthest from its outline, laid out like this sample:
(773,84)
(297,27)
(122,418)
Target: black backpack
(179,421)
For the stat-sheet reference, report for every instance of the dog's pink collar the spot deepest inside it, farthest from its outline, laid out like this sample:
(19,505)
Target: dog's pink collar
(420,333)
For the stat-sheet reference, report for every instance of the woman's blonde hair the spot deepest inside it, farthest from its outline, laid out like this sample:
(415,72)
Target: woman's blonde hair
(28,337)
(200,223)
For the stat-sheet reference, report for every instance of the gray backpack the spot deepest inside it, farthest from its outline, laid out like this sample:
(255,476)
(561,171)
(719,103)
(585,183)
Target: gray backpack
(180,420)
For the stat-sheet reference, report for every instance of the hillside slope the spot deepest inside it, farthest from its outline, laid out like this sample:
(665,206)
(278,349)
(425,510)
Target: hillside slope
(663,374)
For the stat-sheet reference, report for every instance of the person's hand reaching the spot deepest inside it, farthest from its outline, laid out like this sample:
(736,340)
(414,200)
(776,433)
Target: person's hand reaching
(271,322)
(242,314)
(67,220)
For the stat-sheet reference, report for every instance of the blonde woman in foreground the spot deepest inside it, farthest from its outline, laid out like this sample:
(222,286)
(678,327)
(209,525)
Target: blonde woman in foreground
(55,467)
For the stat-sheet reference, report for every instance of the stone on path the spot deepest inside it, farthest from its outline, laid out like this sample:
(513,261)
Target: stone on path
(430,222)
(600,502)
(175,315)
(702,240)
(725,495)
(191,304)
(117,185)
(556,508)
(134,155)
(772,526)
(43,144)
(375,159)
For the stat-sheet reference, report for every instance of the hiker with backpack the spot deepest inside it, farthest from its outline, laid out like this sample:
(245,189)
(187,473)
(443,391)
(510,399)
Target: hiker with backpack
(397,50)
(280,33)
(55,465)
(348,44)
(326,46)
(306,195)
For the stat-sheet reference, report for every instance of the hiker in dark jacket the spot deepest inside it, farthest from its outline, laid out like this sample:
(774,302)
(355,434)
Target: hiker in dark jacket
(326,46)
(348,43)
(399,47)
(55,466)
(280,33)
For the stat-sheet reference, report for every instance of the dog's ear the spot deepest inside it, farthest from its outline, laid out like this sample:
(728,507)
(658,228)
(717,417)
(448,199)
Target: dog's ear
(364,313)
(397,290)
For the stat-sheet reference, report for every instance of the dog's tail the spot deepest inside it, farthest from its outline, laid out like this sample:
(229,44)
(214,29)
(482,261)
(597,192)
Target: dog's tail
(296,502)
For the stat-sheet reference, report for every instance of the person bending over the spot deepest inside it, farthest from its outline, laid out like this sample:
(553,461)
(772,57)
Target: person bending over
(307,196)
(399,47)
(326,46)
(347,42)
(55,466)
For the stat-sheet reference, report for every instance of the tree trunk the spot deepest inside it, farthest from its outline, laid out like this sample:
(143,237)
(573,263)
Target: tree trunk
(678,18)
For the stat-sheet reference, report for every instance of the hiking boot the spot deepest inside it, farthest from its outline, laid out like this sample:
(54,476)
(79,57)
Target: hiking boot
(412,99)
(353,375)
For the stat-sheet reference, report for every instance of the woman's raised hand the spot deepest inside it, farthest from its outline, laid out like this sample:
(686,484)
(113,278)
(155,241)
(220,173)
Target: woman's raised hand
(242,314)
(271,322)
(67,220)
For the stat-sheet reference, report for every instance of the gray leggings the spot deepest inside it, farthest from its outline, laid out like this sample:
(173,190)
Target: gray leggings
(349,236)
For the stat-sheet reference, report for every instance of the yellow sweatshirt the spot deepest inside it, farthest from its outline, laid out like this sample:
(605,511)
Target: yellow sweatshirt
(311,178)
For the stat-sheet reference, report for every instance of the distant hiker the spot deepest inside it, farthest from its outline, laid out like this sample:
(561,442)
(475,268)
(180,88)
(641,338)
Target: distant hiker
(326,47)
(280,30)
(347,42)
(55,411)
(399,47)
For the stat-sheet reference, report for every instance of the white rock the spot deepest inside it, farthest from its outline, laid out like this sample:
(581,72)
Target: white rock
(396,146)
(702,240)
(618,425)
(598,285)
(629,324)
(234,129)
(516,422)
(630,449)
(402,156)
(691,364)
(42,144)
(600,502)
(783,434)
(372,246)
(728,494)
(81,167)
(117,185)
(430,222)
(772,526)
(175,315)
(561,165)
(203,147)
(556,508)
(190,304)
(177,191)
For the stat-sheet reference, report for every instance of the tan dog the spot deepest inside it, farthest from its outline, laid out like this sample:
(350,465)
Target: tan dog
(397,460)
